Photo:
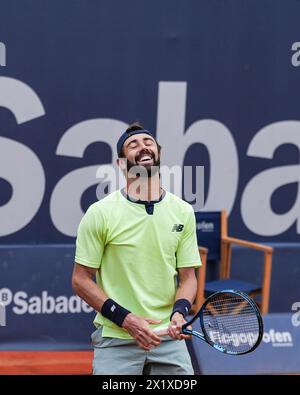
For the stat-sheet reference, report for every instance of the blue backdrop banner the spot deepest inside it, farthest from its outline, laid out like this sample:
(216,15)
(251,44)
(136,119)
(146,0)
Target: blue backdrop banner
(218,85)
(41,311)
(277,353)
(216,82)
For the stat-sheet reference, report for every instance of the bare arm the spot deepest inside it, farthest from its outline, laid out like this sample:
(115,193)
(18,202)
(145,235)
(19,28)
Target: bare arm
(187,289)
(138,327)
(84,286)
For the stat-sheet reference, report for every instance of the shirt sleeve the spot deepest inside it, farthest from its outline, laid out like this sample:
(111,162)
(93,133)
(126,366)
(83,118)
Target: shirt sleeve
(90,241)
(187,254)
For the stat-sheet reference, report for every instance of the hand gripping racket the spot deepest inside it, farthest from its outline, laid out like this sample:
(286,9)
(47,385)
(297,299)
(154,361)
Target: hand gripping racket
(230,322)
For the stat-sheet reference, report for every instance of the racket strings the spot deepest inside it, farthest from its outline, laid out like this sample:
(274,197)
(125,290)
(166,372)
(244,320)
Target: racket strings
(231,322)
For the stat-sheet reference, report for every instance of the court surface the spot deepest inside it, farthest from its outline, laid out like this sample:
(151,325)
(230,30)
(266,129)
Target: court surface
(46,362)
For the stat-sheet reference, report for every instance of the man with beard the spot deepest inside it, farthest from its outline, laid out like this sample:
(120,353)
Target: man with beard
(138,241)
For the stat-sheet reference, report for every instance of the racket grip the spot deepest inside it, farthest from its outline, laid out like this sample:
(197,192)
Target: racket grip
(162,331)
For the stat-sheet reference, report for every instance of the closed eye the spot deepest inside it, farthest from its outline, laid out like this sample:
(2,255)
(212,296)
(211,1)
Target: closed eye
(150,142)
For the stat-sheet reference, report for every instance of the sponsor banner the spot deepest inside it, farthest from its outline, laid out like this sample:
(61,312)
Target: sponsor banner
(37,304)
(277,353)
(215,88)
(208,227)
(38,309)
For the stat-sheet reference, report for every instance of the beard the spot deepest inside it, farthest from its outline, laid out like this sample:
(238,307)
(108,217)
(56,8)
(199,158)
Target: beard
(138,170)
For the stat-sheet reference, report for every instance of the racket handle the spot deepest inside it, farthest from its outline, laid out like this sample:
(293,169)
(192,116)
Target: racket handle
(162,331)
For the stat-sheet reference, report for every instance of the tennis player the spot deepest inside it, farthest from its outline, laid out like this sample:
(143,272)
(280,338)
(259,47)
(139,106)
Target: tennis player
(141,244)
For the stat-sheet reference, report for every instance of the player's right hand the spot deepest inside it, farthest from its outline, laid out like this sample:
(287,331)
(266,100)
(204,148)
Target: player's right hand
(139,329)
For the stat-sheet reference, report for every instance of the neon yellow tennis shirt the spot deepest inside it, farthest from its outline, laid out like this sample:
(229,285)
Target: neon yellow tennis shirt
(137,249)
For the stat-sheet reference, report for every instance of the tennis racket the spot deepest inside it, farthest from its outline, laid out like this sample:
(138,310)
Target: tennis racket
(230,322)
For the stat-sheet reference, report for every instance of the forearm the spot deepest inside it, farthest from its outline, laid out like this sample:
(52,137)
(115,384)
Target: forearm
(187,289)
(89,291)
(138,327)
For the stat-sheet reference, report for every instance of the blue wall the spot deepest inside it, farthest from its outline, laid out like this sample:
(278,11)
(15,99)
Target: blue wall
(230,71)
(216,81)
(43,313)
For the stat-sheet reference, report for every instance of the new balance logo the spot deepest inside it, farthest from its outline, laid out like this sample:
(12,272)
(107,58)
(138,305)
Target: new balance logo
(177,228)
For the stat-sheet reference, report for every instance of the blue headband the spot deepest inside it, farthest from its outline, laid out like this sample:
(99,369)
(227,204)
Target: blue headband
(126,135)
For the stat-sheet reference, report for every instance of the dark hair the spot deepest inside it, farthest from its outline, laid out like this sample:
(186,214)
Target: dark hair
(137,126)
(134,126)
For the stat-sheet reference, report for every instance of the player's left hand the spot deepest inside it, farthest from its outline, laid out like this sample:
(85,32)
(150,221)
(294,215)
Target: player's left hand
(174,329)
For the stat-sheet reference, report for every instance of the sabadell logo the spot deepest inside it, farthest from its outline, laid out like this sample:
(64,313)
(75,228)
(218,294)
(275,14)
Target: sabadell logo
(22,303)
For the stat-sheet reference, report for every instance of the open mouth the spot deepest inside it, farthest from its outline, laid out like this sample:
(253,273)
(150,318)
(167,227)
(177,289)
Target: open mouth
(145,159)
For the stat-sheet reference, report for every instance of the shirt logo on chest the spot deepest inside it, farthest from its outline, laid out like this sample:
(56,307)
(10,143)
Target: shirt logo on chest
(177,228)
